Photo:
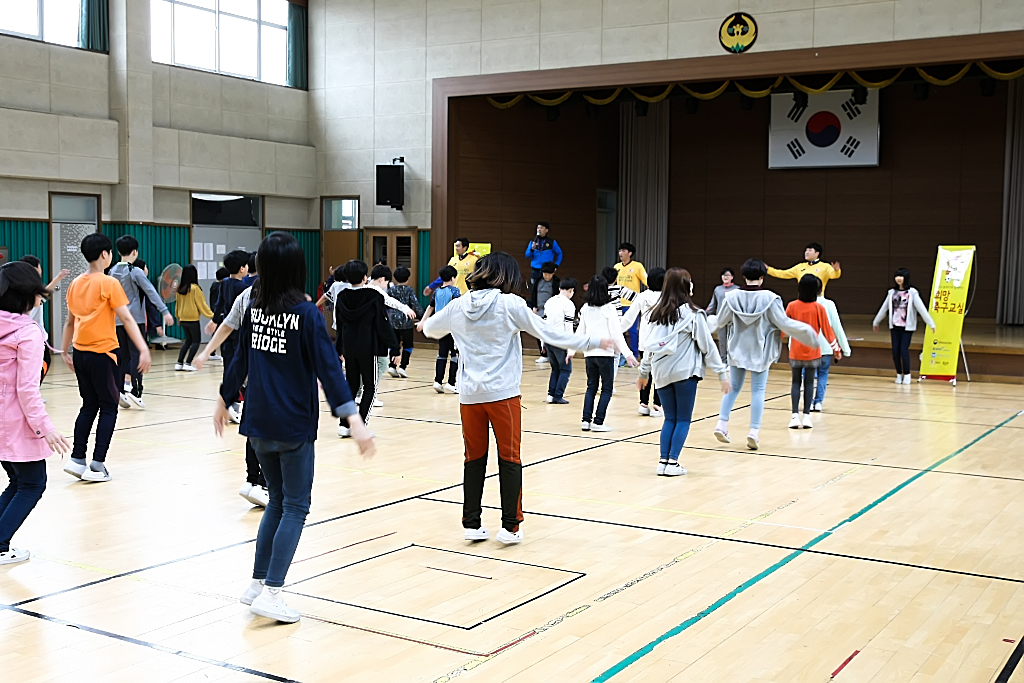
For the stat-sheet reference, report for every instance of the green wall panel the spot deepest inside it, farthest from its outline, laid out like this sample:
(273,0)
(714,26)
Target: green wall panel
(423,267)
(159,246)
(29,237)
(309,240)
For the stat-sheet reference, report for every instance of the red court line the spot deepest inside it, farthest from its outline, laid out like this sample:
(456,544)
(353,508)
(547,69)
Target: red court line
(450,571)
(843,665)
(344,546)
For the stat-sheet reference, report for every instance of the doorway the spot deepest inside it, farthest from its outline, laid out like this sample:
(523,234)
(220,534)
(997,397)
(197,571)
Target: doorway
(394,246)
(72,217)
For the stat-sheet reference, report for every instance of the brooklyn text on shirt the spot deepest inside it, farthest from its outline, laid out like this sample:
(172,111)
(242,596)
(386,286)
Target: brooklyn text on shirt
(268,331)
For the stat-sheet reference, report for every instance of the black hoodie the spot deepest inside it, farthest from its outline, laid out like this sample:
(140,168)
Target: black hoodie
(362,323)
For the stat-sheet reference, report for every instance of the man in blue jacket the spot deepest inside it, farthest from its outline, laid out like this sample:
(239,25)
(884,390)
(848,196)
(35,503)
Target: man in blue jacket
(541,250)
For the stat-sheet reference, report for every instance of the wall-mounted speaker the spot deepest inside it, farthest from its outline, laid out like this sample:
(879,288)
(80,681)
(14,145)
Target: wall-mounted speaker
(391,186)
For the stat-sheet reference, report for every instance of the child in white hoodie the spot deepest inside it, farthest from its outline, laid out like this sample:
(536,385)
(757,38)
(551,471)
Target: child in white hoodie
(598,317)
(486,324)
(642,305)
(679,345)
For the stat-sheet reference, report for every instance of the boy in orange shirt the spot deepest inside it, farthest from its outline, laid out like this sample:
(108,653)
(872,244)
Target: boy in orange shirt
(93,301)
(802,358)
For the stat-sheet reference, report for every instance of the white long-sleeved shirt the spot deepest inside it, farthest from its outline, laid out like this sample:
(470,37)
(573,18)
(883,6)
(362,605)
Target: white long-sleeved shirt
(389,301)
(642,305)
(602,322)
(837,327)
(560,314)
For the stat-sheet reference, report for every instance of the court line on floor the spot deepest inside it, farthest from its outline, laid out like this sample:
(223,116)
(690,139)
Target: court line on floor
(1011,664)
(145,643)
(631,659)
(897,417)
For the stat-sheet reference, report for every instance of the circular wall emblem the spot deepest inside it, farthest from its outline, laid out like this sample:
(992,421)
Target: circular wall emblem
(738,32)
(823,129)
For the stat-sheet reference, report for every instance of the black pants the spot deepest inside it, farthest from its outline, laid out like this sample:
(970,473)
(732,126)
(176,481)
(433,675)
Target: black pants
(561,370)
(901,349)
(405,339)
(128,359)
(446,348)
(96,373)
(47,359)
(600,370)
(361,370)
(645,393)
(192,339)
(253,473)
(805,375)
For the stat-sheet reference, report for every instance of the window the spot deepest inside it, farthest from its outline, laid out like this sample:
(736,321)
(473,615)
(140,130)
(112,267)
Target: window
(341,213)
(245,38)
(52,21)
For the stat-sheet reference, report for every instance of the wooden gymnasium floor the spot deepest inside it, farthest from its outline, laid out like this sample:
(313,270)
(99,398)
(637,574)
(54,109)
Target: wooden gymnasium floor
(891,530)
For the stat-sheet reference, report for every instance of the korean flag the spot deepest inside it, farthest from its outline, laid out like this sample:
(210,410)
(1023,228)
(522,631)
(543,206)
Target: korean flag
(832,130)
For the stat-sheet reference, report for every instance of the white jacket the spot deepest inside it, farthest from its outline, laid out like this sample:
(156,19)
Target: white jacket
(603,323)
(676,353)
(486,326)
(642,305)
(560,314)
(837,326)
(914,307)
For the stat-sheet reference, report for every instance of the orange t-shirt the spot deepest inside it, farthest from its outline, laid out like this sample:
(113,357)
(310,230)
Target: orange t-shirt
(92,299)
(812,313)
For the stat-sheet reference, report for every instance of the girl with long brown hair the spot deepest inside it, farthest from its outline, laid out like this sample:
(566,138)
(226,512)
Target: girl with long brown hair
(678,347)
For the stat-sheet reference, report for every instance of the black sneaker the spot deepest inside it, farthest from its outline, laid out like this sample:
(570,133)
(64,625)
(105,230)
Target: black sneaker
(560,401)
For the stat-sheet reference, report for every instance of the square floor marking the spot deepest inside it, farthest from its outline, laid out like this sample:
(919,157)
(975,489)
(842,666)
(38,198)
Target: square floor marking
(439,586)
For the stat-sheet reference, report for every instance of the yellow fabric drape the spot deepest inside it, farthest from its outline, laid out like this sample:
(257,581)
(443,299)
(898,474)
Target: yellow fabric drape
(877,85)
(505,105)
(815,91)
(656,98)
(947,81)
(1000,76)
(757,94)
(607,100)
(551,103)
(705,95)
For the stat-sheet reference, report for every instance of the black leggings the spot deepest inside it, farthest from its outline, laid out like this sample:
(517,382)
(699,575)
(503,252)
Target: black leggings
(446,353)
(806,375)
(361,370)
(901,349)
(645,393)
(96,374)
(192,339)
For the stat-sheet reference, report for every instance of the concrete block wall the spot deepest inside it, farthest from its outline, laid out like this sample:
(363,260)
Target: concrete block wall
(372,61)
(41,77)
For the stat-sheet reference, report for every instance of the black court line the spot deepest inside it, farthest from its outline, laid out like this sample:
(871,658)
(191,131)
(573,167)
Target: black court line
(346,566)
(578,575)
(764,544)
(152,646)
(1011,663)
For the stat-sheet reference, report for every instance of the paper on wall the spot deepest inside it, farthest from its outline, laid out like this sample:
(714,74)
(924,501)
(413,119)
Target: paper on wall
(197,251)
(208,251)
(201,267)
(222,249)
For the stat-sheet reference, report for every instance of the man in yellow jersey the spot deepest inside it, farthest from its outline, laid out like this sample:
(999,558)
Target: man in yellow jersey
(463,262)
(632,274)
(813,265)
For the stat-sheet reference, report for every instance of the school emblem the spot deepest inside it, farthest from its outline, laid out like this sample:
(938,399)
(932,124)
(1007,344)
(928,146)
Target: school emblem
(738,33)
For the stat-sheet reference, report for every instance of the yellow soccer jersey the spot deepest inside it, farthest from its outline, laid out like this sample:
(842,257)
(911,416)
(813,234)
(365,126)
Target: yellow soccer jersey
(822,270)
(464,266)
(631,276)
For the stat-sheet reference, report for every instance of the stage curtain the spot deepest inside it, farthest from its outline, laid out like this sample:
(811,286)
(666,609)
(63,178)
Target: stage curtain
(1010,305)
(297,58)
(93,26)
(643,181)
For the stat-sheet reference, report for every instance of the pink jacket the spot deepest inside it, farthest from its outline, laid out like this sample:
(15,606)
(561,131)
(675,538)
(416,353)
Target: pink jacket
(23,418)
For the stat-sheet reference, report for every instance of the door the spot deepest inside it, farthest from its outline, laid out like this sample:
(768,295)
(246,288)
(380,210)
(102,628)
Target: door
(394,247)
(72,217)
(211,243)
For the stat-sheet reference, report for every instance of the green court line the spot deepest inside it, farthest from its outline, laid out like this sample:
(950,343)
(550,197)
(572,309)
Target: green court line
(757,578)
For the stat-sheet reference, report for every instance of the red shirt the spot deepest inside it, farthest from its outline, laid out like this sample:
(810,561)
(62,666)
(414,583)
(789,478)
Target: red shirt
(814,315)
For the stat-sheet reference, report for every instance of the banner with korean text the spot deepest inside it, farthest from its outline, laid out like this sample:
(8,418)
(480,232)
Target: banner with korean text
(947,306)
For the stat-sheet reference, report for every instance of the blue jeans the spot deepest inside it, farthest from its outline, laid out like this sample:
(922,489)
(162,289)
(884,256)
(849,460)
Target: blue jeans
(28,481)
(677,399)
(819,392)
(634,335)
(758,382)
(560,372)
(288,468)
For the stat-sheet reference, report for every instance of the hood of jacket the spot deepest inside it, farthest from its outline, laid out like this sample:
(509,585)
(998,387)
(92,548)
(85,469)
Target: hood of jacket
(480,302)
(664,339)
(749,305)
(354,304)
(11,323)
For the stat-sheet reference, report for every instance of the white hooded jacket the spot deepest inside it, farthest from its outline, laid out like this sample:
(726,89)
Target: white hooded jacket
(677,352)
(754,318)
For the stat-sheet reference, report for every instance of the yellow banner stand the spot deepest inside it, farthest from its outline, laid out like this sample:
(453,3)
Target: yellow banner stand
(947,308)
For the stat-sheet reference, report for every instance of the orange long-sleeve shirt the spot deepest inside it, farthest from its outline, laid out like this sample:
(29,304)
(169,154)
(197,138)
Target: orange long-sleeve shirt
(813,314)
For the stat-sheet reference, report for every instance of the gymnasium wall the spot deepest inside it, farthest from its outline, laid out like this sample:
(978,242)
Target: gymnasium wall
(939,181)
(511,168)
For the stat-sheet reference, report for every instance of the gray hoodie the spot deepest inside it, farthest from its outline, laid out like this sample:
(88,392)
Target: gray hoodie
(676,353)
(136,286)
(486,326)
(754,318)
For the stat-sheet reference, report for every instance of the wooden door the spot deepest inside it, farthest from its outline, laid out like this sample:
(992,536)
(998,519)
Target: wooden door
(395,247)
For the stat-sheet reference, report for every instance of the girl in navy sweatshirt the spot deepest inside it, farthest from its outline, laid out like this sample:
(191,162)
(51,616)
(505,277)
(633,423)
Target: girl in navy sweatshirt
(283,349)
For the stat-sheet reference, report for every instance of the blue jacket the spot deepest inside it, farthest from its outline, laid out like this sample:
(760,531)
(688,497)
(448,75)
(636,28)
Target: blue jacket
(283,356)
(541,250)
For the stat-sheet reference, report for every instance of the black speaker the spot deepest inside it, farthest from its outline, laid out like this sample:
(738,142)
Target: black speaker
(391,186)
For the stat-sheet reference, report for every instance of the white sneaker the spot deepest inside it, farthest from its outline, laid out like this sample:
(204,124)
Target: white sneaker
(752,442)
(127,387)
(600,428)
(661,468)
(137,401)
(815,407)
(259,496)
(549,399)
(179,366)
(807,421)
(402,373)
(674,469)
(377,403)
(643,410)
(123,402)
(344,432)
(585,426)
(270,604)
(216,357)
(906,379)
(657,412)
(74,469)
(188,367)
(393,371)
(475,534)
(541,360)
(722,436)
(252,592)
(244,493)
(509,538)
(438,387)
(92,475)
(899,379)
(451,389)
(794,422)
(235,413)
(14,555)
